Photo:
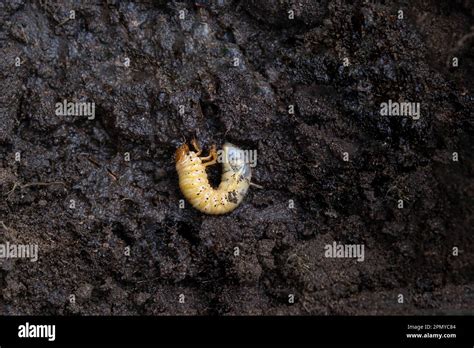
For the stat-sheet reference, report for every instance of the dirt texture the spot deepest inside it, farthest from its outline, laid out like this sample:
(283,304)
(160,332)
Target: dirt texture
(110,231)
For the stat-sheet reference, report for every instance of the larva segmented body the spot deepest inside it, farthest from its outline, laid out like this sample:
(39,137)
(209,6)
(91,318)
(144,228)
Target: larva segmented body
(194,184)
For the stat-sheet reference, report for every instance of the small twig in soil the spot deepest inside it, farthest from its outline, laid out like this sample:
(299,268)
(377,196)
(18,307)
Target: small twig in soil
(16,184)
(90,159)
(112,174)
(63,22)
(146,280)
(462,41)
(4,226)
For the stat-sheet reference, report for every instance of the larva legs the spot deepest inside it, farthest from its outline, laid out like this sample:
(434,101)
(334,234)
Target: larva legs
(196,145)
(212,154)
(212,157)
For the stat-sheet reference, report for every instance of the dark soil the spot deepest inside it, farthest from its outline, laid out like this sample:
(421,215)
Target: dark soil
(190,62)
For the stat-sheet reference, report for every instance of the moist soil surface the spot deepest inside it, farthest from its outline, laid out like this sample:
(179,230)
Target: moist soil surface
(99,195)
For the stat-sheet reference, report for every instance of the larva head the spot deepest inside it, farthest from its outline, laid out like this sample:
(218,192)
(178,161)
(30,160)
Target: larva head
(237,160)
(181,152)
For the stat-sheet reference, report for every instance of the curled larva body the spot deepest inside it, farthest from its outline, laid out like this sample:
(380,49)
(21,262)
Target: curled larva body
(195,186)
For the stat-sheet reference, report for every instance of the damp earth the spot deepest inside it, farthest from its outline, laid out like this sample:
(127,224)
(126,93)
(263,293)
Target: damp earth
(100,197)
